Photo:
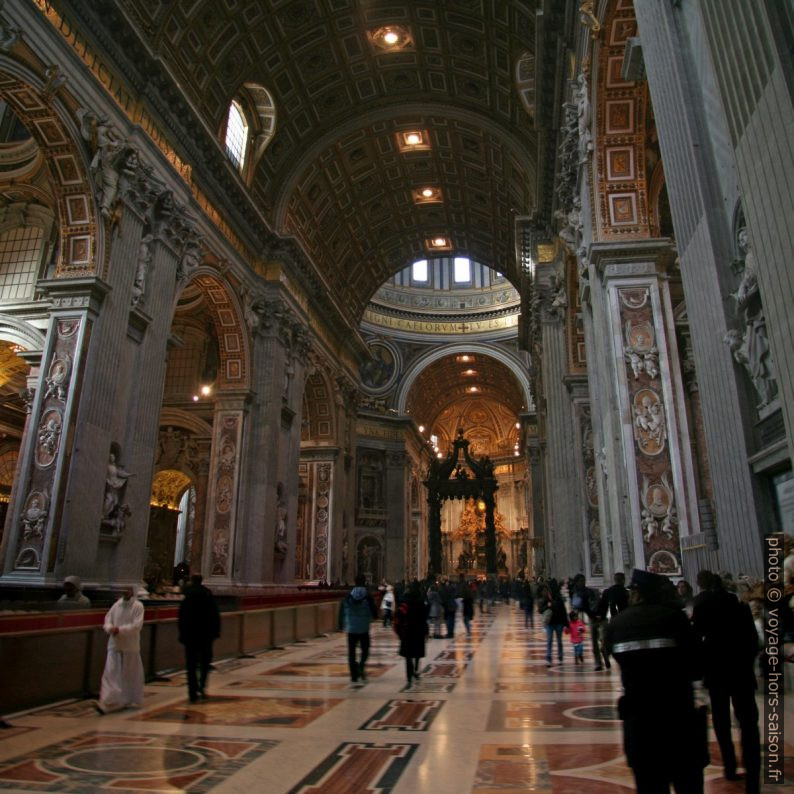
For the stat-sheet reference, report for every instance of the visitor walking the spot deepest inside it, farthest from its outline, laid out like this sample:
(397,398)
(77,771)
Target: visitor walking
(356,612)
(199,626)
(410,624)
(122,679)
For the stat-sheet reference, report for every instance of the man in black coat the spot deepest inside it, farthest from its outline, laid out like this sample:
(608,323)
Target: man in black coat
(730,645)
(199,627)
(615,598)
(664,735)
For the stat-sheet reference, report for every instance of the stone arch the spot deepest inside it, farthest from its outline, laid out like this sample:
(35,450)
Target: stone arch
(79,233)
(226,312)
(517,367)
(319,409)
(18,332)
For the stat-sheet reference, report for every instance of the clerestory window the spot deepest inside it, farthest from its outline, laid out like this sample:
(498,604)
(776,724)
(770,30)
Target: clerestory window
(236,135)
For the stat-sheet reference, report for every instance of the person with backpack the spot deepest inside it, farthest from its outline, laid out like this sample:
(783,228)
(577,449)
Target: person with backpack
(356,612)
(410,625)
(554,617)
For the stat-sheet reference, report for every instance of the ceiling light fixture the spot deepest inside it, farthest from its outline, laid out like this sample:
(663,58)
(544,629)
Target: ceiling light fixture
(438,243)
(391,37)
(427,195)
(413,141)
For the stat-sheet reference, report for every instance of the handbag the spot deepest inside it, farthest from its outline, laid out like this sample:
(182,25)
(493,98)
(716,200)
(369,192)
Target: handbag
(545,616)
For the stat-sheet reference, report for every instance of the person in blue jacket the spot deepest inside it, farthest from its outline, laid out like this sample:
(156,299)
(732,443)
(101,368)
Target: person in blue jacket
(356,612)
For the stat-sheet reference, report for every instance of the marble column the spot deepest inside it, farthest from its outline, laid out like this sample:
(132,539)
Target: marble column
(564,552)
(537,533)
(640,358)
(721,139)
(220,558)
(268,509)
(397,518)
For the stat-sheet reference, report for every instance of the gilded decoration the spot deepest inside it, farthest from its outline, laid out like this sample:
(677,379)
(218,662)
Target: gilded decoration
(621,188)
(469,537)
(77,233)
(167,488)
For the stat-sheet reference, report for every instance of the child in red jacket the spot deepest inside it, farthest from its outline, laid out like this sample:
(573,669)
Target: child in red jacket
(576,629)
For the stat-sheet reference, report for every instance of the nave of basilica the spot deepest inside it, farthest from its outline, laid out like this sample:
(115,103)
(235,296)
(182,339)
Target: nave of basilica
(295,290)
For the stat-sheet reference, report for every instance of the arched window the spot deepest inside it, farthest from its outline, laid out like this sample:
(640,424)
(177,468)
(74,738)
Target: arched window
(236,135)
(25,229)
(250,126)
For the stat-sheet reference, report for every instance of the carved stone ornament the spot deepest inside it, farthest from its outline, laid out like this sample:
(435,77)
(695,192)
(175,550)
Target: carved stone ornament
(659,513)
(176,449)
(48,438)
(640,350)
(280,545)
(57,380)
(9,35)
(650,430)
(750,344)
(634,298)
(55,80)
(568,159)
(114,163)
(594,541)
(27,396)
(584,118)
(145,255)
(664,562)
(220,552)
(34,516)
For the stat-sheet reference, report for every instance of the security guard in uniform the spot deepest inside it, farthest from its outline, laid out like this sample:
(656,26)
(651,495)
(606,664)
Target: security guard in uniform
(664,735)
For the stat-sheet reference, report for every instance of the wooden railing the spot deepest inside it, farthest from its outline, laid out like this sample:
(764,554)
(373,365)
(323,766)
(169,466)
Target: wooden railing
(51,656)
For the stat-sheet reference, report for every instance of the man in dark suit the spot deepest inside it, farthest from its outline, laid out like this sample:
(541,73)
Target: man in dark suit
(199,627)
(730,645)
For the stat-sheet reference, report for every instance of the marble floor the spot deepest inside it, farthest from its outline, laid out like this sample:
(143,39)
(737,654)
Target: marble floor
(486,716)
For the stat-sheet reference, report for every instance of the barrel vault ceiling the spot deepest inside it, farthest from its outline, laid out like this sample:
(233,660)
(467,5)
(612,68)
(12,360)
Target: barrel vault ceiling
(333,176)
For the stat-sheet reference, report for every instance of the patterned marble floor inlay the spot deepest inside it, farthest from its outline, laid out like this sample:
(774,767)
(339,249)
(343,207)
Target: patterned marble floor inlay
(131,762)
(358,767)
(373,669)
(486,715)
(404,715)
(282,712)
(561,685)
(511,769)
(519,715)
(296,685)
(444,670)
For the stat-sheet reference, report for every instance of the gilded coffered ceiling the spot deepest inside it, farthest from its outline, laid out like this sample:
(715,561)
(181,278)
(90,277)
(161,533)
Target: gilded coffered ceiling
(334,176)
(479,394)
